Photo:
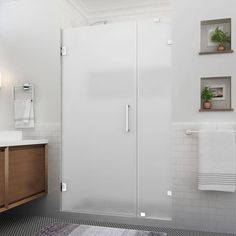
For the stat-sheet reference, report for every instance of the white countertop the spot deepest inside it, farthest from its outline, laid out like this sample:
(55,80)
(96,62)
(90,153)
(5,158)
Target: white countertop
(23,142)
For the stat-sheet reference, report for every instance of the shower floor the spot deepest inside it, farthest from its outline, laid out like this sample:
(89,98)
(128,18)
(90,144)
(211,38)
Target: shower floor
(29,225)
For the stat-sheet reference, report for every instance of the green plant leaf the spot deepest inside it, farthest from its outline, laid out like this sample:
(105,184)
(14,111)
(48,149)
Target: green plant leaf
(219,36)
(207,94)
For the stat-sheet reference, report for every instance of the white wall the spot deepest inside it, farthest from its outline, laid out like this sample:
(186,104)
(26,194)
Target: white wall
(189,67)
(30,51)
(30,32)
(193,209)
(162,10)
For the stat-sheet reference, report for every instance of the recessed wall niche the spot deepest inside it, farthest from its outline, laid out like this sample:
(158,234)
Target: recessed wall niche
(208,28)
(221,89)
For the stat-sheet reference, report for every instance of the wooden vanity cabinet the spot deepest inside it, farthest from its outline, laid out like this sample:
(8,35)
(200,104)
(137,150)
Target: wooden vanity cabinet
(23,175)
(2,178)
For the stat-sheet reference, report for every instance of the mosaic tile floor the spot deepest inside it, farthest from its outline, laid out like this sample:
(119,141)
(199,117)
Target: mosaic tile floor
(27,226)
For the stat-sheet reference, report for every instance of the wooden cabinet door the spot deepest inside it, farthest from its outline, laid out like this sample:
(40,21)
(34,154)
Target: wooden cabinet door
(2,178)
(26,172)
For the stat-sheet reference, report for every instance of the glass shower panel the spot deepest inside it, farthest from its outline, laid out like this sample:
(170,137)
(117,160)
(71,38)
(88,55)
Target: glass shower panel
(99,119)
(154,119)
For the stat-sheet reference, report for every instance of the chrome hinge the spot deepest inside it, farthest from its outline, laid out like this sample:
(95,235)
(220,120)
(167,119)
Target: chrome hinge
(63,187)
(143,214)
(63,51)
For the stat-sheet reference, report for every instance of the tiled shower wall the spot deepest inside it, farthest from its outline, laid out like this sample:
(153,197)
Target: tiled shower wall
(192,209)
(199,210)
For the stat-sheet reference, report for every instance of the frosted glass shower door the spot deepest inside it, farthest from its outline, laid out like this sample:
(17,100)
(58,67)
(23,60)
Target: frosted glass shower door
(154,119)
(99,120)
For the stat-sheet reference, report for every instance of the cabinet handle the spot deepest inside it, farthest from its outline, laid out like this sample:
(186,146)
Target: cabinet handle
(127,107)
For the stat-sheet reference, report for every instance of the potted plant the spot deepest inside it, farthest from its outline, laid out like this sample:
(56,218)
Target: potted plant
(220,37)
(207,96)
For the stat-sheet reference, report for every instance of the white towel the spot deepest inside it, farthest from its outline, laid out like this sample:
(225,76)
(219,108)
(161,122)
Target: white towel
(24,113)
(217,161)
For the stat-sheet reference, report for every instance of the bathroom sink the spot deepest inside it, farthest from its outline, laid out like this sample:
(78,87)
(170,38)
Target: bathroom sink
(10,136)
(15,138)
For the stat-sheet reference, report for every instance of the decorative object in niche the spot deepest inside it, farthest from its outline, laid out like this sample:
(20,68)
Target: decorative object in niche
(221,38)
(207,96)
(217,91)
(216,36)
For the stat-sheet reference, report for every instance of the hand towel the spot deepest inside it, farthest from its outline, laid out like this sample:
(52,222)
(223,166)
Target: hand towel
(24,113)
(217,160)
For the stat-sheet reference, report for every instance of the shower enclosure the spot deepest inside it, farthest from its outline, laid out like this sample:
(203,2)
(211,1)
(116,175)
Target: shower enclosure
(116,120)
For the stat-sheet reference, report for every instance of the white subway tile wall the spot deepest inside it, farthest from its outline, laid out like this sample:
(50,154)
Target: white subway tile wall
(192,209)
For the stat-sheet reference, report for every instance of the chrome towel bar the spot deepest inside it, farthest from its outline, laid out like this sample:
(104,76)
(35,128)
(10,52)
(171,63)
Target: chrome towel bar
(24,87)
(192,131)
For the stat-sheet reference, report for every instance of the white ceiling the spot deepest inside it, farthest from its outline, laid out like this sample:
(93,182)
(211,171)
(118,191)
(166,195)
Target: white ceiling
(104,5)
(90,7)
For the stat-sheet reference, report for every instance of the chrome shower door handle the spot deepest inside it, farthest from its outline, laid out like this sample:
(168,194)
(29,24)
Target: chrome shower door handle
(127,107)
